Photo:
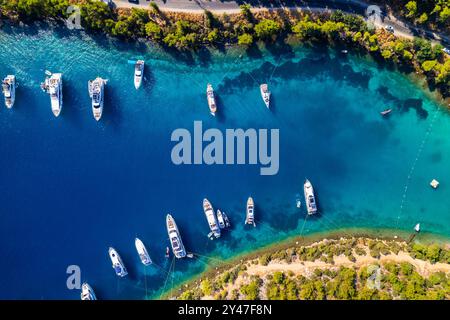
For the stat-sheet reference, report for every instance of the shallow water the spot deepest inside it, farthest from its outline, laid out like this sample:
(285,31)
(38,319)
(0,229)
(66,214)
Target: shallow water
(71,187)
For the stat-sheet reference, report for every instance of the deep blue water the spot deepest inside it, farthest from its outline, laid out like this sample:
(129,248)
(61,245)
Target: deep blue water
(71,187)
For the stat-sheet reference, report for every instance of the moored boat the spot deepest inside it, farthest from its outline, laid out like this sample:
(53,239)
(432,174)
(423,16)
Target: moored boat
(142,251)
(138,73)
(211,99)
(53,86)
(250,215)
(226,220)
(310,198)
(386,112)
(9,90)
(175,238)
(298,202)
(211,218)
(265,94)
(97,93)
(87,293)
(117,263)
(220,219)
(417,227)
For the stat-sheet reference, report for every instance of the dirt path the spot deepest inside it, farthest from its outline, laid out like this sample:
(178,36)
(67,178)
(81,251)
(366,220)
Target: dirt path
(424,268)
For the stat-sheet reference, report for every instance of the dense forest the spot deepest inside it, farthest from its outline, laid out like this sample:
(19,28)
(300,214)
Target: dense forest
(434,14)
(394,279)
(183,31)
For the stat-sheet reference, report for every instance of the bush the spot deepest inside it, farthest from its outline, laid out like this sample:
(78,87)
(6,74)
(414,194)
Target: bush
(406,268)
(428,65)
(251,290)
(206,287)
(153,30)
(267,28)
(245,39)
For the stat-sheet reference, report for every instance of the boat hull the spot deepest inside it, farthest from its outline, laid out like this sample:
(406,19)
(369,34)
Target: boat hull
(211,218)
(220,220)
(211,99)
(10,93)
(87,293)
(139,74)
(142,252)
(117,263)
(175,239)
(310,199)
(250,215)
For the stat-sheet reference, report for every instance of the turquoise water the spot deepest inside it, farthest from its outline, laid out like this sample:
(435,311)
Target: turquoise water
(71,187)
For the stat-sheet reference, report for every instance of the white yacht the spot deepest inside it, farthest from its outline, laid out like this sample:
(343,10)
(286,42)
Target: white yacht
(138,73)
(87,293)
(9,90)
(220,219)
(175,238)
(310,199)
(97,93)
(250,216)
(211,217)
(53,86)
(211,99)
(265,94)
(117,263)
(142,251)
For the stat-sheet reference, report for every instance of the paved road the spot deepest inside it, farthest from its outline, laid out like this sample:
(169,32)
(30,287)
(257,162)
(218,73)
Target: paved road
(401,29)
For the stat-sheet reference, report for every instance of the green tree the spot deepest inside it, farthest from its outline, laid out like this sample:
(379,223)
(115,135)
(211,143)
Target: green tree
(186,295)
(153,30)
(154,8)
(387,54)
(332,29)
(251,290)
(121,29)
(246,12)
(406,268)
(267,28)
(444,15)
(307,291)
(433,251)
(306,29)
(213,36)
(411,8)
(206,287)
(245,39)
(428,65)
(443,77)
(278,277)
(423,18)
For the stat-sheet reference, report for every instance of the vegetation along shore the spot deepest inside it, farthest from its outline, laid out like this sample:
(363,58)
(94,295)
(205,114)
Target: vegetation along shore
(190,32)
(358,267)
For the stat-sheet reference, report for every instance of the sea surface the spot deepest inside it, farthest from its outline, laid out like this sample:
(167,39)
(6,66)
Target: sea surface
(71,187)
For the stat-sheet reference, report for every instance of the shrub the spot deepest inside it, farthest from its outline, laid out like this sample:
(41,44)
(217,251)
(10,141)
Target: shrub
(267,28)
